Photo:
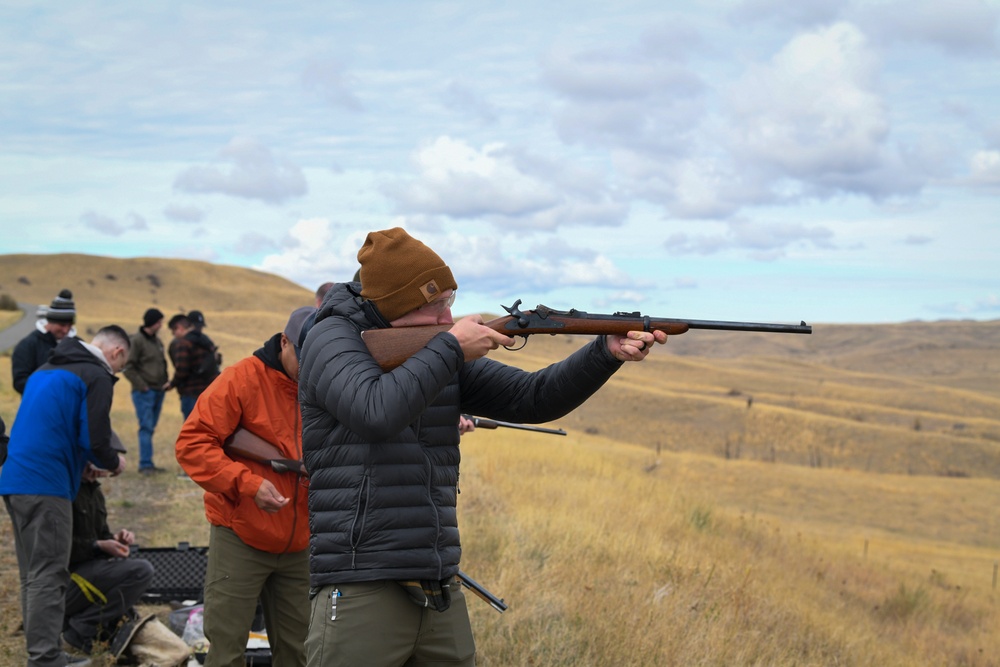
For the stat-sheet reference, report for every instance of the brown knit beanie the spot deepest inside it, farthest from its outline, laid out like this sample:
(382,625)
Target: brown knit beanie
(399,273)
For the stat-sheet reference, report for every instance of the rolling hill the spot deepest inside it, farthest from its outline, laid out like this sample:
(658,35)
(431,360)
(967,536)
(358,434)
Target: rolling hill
(737,499)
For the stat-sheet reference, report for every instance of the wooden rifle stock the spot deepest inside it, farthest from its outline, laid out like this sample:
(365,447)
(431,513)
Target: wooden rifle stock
(248,445)
(391,347)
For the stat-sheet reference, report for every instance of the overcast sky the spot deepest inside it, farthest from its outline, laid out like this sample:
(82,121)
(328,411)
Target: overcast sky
(766,160)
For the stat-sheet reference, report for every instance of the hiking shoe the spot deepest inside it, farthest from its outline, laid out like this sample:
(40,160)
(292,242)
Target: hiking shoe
(77,660)
(151,470)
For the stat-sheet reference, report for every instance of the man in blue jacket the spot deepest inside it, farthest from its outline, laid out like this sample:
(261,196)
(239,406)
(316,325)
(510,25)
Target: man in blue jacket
(63,422)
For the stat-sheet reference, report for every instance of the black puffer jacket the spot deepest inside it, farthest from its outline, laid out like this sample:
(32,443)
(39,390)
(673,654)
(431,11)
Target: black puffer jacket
(382,448)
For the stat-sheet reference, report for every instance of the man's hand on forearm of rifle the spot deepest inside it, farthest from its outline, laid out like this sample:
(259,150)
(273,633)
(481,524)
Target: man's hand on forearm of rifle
(635,346)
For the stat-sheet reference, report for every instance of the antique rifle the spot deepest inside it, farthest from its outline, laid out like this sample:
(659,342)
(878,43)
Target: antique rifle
(392,346)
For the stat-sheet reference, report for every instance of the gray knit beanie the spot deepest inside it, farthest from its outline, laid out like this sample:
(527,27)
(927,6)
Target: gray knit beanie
(62,309)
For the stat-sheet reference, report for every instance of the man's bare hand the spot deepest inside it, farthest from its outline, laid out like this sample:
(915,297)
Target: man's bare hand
(465,425)
(268,498)
(635,345)
(124,536)
(113,548)
(476,339)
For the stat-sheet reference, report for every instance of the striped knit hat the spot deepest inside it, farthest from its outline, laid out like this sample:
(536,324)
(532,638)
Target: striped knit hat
(62,308)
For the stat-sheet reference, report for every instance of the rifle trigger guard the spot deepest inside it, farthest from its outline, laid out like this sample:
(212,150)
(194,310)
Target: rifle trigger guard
(519,347)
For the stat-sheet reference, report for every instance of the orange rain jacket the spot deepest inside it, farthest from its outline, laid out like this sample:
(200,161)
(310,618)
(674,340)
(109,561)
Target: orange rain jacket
(258,395)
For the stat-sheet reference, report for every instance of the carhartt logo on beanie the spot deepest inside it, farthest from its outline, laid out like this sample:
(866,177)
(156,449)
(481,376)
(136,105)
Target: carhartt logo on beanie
(62,308)
(399,273)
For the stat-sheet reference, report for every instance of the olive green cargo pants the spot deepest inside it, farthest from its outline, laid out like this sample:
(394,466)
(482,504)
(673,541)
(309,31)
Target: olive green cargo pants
(377,625)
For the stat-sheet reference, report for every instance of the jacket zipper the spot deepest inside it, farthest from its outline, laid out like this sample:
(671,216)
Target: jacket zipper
(360,515)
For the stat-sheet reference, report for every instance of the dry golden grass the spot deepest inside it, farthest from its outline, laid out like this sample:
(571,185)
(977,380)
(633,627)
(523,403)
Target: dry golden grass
(845,517)
(605,563)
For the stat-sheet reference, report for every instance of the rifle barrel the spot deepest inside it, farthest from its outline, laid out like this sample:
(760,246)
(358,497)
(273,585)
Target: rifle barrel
(478,589)
(719,325)
(482,422)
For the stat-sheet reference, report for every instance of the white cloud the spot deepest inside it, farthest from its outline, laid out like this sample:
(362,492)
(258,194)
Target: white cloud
(762,241)
(182,213)
(255,173)
(315,251)
(984,169)
(332,82)
(508,187)
(105,224)
(464,97)
(625,98)
(813,109)
(959,27)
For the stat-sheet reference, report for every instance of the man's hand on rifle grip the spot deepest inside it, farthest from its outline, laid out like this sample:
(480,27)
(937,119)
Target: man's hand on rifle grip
(477,340)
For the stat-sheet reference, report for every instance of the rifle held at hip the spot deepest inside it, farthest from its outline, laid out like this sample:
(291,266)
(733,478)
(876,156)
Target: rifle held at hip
(391,347)
(482,422)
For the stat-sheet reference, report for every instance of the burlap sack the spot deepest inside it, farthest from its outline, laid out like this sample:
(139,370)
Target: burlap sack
(155,645)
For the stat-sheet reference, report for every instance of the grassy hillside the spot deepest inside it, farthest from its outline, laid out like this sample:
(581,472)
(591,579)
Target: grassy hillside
(242,306)
(739,499)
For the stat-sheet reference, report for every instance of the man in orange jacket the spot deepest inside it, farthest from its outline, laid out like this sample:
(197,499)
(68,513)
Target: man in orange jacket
(258,545)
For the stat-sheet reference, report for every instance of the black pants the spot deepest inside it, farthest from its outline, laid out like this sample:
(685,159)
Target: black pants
(121,581)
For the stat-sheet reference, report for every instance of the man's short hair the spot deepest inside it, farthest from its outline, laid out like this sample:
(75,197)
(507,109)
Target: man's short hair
(322,290)
(114,334)
(178,320)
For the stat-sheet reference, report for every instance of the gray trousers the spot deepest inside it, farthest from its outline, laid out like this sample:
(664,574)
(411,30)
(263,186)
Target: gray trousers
(121,581)
(43,531)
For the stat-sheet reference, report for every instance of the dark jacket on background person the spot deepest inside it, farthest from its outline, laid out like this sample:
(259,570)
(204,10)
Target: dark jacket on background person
(147,364)
(90,523)
(209,362)
(45,433)
(382,450)
(194,365)
(31,352)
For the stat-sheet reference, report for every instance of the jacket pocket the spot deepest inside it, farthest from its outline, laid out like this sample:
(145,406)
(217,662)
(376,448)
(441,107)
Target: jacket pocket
(360,516)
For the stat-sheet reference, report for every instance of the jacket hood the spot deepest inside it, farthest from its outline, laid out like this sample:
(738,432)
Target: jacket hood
(345,300)
(75,351)
(270,353)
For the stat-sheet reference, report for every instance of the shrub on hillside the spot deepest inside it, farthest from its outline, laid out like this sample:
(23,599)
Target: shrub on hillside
(7,302)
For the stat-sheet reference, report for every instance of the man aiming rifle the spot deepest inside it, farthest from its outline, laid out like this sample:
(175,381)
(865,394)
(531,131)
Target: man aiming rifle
(382,453)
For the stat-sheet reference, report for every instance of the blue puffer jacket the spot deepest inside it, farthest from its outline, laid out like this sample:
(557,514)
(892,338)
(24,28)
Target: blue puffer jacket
(64,420)
(382,448)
